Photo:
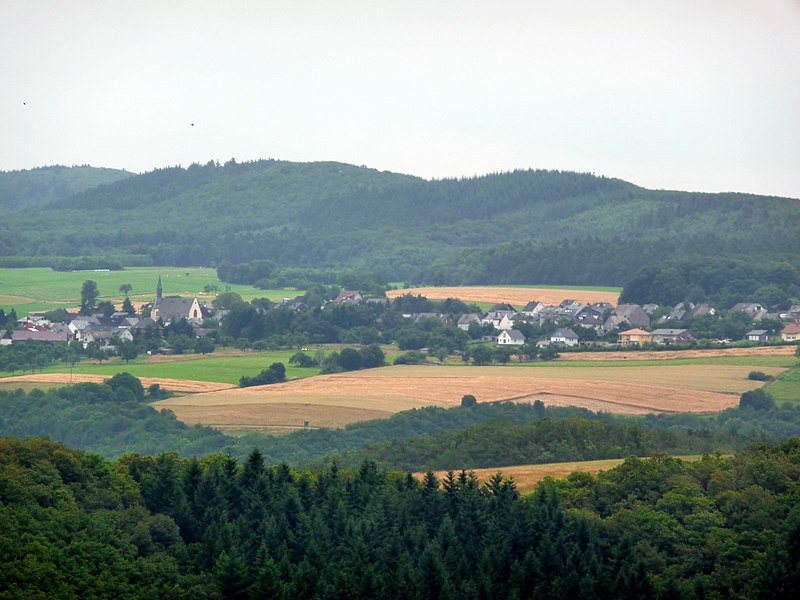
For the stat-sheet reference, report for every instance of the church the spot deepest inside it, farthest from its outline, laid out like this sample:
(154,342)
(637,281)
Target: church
(175,309)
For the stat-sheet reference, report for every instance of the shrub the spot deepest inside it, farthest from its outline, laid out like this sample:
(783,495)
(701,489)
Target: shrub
(759,376)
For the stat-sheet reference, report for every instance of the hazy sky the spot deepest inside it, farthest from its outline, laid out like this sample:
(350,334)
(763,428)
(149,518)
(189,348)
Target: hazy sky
(693,95)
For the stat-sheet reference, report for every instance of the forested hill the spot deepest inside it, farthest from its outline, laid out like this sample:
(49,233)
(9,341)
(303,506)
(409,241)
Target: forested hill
(23,190)
(518,227)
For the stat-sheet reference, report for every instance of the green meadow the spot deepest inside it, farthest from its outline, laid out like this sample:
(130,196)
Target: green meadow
(787,387)
(211,367)
(40,289)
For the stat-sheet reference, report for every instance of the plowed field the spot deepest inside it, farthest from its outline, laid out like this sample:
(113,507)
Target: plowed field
(517,297)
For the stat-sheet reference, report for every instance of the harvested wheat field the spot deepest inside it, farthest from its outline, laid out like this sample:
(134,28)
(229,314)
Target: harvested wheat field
(174,385)
(673,354)
(515,296)
(335,400)
(527,476)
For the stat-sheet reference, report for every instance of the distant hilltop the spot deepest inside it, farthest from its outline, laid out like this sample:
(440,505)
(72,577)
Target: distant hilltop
(520,227)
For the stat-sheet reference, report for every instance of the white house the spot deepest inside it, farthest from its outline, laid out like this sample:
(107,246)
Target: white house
(510,337)
(564,336)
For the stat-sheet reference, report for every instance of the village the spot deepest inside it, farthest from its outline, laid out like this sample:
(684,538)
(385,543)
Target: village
(192,325)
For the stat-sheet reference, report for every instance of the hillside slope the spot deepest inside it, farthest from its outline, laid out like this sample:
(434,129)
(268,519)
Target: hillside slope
(23,190)
(444,231)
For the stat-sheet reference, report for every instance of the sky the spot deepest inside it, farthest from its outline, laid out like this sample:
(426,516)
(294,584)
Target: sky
(698,96)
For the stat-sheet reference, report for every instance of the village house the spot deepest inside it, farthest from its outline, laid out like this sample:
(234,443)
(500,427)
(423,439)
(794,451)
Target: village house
(754,310)
(791,333)
(348,297)
(532,308)
(566,337)
(633,337)
(466,319)
(498,311)
(510,337)
(672,336)
(757,335)
(633,314)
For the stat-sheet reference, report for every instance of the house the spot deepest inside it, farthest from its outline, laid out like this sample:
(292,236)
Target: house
(498,311)
(635,337)
(595,322)
(791,333)
(672,336)
(602,307)
(511,321)
(348,297)
(753,309)
(633,314)
(510,337)
(650,308)
(29,335)
(704,310)
(466,319)
(532,308)
(678,313)
(567,337)
(757,335)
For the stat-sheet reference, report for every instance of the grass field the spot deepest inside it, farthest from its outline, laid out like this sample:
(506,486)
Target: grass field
(225,367)
(786,388)
(527,476)
(518,296)
(30,290)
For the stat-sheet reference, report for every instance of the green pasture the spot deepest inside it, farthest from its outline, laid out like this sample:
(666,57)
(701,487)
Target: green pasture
(221,369)
(786,389)
(38,289)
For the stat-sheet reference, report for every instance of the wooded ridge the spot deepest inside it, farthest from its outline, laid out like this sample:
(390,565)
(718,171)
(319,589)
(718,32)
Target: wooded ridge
(517,227)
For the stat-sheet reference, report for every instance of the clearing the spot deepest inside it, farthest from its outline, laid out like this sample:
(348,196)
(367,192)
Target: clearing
(516,296)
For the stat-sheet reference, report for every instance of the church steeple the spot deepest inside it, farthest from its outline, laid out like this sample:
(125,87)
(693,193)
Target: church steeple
(159,290)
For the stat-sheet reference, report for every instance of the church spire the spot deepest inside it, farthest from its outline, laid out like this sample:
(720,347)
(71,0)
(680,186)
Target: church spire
(159,290)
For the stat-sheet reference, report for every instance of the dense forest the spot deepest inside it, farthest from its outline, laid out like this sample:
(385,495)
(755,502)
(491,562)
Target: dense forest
(26,190)
(76,525)
(311,220)
(114,418)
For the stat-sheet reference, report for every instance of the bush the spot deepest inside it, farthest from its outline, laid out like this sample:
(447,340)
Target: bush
(759,376)
(468,401)
(276,373)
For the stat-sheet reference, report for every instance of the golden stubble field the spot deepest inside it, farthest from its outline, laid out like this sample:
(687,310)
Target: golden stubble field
(517,297)
(336,400)
(527,476)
